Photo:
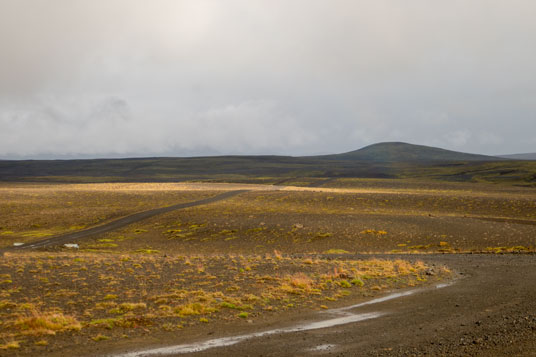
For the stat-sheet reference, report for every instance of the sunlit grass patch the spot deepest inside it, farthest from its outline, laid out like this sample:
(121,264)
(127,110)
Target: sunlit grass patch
(374,232)
(132,293)
(194,309)
(148,251)
(515,249)
(128,306)
(336,251)
(11,345)
(357,282)
(299,283)
(46,323)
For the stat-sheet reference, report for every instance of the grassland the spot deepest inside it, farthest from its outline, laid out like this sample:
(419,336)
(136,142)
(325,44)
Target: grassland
(33,211)
(257,257)
(454,218)
(49,300)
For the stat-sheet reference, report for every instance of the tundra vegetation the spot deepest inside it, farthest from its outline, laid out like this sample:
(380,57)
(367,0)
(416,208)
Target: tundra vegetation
(452,219)
(54,298)
(32,211)
(254,258)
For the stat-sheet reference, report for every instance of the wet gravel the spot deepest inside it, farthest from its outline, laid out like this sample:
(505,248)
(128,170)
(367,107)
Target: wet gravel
(489,311)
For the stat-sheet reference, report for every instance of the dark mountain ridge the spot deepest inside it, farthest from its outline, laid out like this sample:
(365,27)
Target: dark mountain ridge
(383,160)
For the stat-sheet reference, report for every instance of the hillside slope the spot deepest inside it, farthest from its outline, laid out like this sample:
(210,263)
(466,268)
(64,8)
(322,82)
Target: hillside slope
(403,152)
(527,156)
(385,160)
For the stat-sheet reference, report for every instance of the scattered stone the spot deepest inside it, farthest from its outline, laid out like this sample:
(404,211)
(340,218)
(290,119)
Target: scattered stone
(71,245)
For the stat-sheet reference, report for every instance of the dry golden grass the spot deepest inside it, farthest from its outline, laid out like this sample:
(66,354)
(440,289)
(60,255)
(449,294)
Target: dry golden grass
(45,323)
(67,294)
(11,345)
(33,211)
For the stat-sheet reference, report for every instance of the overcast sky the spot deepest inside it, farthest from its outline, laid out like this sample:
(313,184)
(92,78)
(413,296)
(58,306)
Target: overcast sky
(116,78)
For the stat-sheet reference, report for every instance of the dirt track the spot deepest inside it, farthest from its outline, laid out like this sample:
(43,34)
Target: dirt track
(119,223)
(490,310)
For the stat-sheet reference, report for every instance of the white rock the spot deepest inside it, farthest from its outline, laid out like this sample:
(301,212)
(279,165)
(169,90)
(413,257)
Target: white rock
(18,244)
(71,245)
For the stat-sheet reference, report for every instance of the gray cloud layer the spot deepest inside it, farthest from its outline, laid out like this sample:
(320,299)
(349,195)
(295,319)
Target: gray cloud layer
(131,77)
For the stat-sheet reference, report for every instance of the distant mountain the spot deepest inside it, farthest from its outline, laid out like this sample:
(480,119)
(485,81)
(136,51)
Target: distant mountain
(403,152)
(528,156)
(384,160)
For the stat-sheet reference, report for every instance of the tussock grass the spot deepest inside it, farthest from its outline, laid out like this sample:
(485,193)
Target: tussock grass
(65,294)
(11,345)
(46,323)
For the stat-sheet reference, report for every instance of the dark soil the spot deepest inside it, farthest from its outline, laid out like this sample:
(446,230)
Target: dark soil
(490,311)
(299,222)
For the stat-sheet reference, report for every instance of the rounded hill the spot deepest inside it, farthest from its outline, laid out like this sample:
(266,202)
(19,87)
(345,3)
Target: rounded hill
(404,152)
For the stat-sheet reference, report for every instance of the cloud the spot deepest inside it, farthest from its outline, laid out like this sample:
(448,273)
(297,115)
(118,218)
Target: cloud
(109,127)
(255,127)
(458,138)
(121,78)
(489,138)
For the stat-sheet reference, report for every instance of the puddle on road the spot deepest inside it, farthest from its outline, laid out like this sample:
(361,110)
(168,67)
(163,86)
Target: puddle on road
(228,341)
(374,301)
(444,285)
(345,317)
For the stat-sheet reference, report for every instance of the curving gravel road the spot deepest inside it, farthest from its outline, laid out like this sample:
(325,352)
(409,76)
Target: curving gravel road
(489,310)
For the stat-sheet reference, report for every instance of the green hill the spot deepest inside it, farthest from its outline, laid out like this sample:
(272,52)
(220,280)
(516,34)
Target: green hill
(403,152)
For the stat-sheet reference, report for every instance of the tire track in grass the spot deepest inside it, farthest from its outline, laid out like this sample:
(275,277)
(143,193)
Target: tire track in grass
(122,222)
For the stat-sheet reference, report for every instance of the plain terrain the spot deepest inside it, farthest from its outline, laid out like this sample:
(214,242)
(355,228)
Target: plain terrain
(265,258)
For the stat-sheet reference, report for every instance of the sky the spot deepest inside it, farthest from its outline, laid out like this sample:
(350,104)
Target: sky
(133,78)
